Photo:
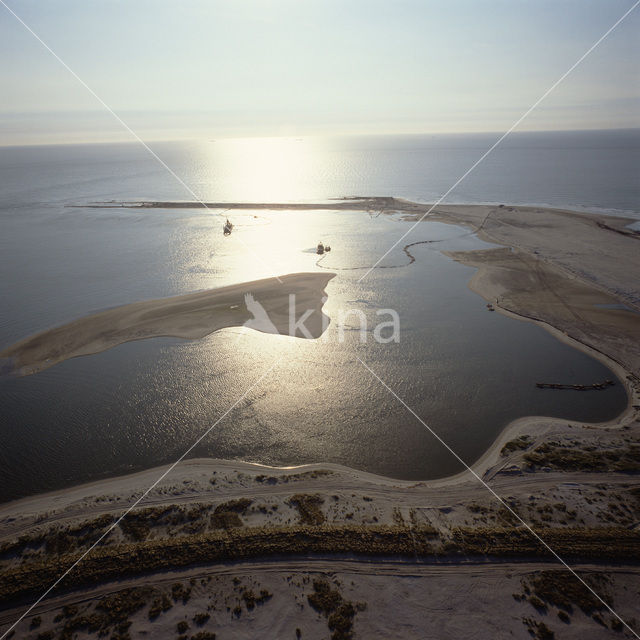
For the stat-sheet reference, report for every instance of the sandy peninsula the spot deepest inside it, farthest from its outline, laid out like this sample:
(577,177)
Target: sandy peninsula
(222,549)
(263,305)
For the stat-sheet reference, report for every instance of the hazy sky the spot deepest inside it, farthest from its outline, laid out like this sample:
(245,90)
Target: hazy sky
(280,67)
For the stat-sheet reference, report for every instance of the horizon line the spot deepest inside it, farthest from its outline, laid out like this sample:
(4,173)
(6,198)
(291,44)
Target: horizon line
(301,136)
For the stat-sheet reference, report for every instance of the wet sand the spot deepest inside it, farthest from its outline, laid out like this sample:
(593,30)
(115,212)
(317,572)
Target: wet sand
(189,316)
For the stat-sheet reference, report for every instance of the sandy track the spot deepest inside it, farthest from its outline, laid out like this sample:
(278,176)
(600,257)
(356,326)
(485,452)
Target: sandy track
(320,565)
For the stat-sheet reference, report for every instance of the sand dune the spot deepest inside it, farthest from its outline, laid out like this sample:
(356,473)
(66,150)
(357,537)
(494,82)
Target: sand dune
(263,305)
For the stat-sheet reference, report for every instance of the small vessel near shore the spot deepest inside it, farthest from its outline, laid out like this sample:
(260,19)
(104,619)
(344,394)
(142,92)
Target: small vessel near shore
(228,227)
(322,248)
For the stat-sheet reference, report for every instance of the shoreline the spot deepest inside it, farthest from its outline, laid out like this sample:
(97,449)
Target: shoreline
(486,466)
(240,537)
(448,214)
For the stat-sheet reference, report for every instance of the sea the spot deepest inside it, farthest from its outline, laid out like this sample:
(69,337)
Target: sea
(465,371)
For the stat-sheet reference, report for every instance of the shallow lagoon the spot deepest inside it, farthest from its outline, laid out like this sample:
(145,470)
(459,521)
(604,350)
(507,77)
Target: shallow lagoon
(466,371)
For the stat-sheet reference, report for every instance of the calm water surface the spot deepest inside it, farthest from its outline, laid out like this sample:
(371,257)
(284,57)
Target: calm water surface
(464,370)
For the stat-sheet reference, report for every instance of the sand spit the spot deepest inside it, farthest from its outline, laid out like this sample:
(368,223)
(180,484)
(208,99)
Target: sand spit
(571,272)
(356,203)
(263,305)
(520,284)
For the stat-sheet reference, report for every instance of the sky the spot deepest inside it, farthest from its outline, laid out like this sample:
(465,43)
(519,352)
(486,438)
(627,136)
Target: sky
(233,68)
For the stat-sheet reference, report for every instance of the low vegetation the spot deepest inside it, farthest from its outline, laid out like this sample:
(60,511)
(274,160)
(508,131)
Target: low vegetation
(159,605)
(201,618)
(57,540)
(227,515)
(538,629)
(519,444)
(595,543)
(308,507)
(338,611)
(564,591)
(251,600)
(293,477)
(133,559)
(109,616)
(569,458)
(137,525)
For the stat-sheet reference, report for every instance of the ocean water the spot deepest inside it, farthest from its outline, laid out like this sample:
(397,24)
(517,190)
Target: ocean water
(467,372)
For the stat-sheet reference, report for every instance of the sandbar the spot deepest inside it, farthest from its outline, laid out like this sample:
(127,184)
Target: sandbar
(190,316)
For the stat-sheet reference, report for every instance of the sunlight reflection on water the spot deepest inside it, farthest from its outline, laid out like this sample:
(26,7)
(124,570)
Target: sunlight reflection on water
(465,371)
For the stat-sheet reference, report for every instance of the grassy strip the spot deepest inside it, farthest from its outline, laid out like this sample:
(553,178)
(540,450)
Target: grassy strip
(595,544)
(561,589)
(519,444)
(625,459)
(57,540)
(308,507)
(131,560)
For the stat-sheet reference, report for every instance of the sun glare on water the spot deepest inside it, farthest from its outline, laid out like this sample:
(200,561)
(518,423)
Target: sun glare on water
(261,169)
(264,242)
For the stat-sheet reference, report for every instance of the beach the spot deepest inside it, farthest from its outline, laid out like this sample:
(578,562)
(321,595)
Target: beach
(229,546)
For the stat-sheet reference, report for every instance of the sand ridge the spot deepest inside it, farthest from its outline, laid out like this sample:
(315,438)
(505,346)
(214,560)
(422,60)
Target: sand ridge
(191,316)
